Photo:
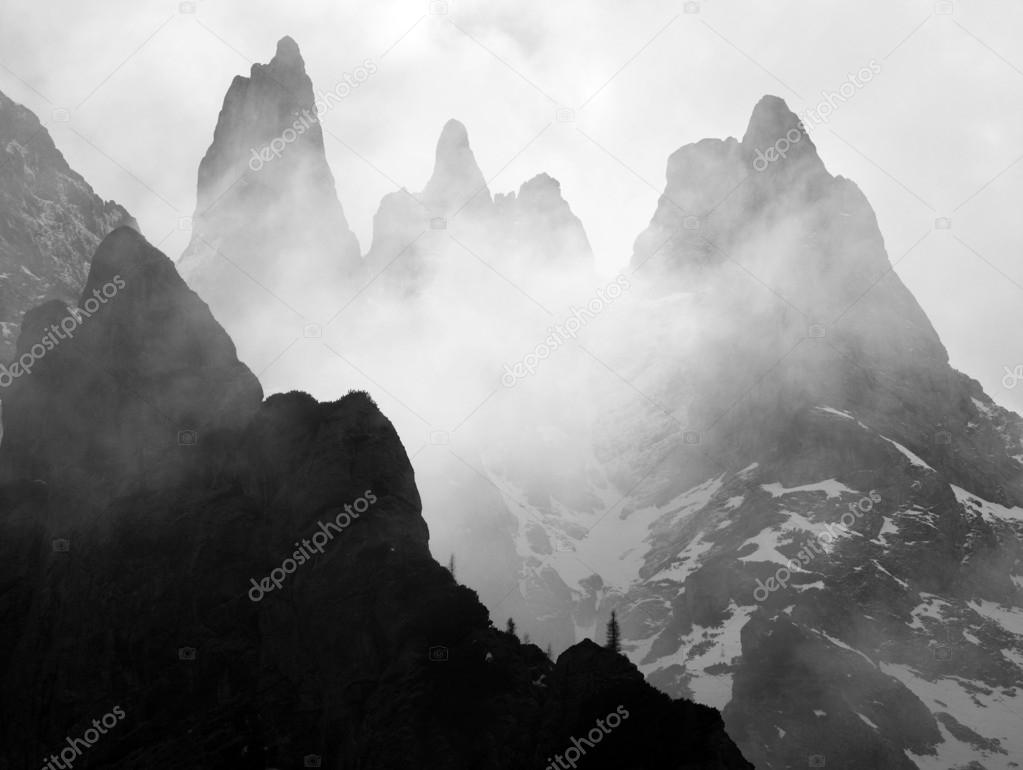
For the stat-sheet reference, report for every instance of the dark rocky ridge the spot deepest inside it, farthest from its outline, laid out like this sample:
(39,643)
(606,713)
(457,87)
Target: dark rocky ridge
(369,656)
(51,221)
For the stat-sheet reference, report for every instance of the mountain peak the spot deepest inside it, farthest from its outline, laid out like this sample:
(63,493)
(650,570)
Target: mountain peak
(287,50)
(456,178)
(773,123)
(453,137)
(266,202)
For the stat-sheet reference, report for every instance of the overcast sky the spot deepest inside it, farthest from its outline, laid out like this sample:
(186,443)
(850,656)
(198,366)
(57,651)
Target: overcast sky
(130,90)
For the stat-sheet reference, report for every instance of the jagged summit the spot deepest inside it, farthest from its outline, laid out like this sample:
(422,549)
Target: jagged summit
(268,233)
(286,68)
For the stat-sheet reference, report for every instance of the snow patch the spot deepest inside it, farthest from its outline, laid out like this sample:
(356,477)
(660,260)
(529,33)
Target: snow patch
(988,510)
(913,459)
(831,487)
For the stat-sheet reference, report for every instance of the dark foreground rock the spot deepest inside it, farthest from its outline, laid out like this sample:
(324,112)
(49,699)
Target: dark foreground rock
(222,583)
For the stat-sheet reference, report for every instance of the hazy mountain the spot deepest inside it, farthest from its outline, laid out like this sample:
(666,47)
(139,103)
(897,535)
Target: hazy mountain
(751,446)
(51,221)
(271,250)
(780,372)
(529,239)
(145,578)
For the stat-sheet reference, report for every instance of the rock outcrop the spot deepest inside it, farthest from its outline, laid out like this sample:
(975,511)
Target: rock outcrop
(51,221)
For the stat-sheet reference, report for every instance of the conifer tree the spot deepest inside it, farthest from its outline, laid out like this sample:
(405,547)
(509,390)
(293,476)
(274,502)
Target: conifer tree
(614,641)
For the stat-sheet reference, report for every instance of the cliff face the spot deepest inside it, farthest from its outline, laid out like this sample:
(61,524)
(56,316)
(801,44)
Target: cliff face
(51,221)
(258,592)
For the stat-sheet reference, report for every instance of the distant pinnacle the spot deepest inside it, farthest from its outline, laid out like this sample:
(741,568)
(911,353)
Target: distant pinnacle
(772,122)
(456,178)
(453,138)
(287,53)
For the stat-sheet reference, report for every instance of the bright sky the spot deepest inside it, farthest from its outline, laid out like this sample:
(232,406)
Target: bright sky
(130,90)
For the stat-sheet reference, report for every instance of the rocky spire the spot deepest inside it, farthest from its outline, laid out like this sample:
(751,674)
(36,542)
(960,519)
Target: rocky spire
(778,135)
(457,181)
(269,235)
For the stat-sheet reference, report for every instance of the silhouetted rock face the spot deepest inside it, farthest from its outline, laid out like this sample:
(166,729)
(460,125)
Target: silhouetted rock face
(50,221)
(270,242)
(591,685)
(130,388)
(150,579)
